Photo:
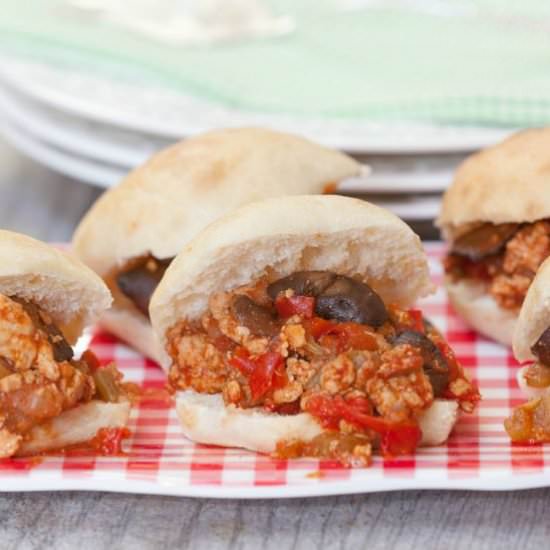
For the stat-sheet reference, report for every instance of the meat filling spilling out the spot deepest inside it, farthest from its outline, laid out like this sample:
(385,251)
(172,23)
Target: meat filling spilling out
(325,344)
(505,256)
(39,377)
(530,422)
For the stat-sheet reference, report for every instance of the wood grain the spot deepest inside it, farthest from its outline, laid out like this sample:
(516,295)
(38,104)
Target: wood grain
(402,520)
(37,201)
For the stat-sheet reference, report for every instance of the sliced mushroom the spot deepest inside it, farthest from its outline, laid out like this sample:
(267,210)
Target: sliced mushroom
(303,283)
(62,351)
(139,281)
(348,300)
(484,240)
(258,319)
(435,366)
(541,349)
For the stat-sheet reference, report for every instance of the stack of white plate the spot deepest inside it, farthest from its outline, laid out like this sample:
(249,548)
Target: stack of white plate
(96,129)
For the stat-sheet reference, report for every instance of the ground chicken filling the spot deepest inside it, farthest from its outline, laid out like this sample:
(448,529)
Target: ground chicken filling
(39,379)
(506,257)
(530,422)
(327,345)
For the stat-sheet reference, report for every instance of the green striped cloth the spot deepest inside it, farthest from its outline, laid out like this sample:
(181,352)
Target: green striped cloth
(448,61)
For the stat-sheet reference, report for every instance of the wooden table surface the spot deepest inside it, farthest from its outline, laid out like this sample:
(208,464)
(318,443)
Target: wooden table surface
(46,205)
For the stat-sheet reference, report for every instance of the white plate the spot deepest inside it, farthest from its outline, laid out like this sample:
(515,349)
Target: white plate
(76,134)
(128,149)
(77,167)
(107,175)
(172,115)
(159,460)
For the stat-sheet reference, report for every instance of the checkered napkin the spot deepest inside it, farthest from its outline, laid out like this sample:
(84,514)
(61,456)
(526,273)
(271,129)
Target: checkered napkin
(160,460)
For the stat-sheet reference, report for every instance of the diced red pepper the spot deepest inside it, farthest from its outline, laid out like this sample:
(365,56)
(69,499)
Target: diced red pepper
(295,305)
(395,439)
(350,335)
(318,327)
(400,439)
(262,378)
(356,336)
(241,361)
(417,318)
(264,372)
(328,410)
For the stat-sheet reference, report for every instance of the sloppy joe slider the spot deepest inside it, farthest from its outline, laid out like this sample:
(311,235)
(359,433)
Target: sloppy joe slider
(495,217)
(49,399)
(286,328)
(531,422)
(131,234)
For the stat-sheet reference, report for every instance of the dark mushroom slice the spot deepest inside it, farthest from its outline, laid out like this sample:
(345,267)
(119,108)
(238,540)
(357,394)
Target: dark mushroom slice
(258,319)
(435,366)
(484,240)
(348,300)
(62,351)
(303,283)
(140,279)
(541,349)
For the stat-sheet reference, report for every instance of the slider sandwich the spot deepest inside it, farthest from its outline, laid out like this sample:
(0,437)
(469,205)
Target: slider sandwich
(130,236)
(496,219)
(530,422)
(49,399)
(286,328)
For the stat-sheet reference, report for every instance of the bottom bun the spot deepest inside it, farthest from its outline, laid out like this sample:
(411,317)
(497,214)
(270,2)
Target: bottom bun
(132,328)
(205,419)
(479,309)
(74,426)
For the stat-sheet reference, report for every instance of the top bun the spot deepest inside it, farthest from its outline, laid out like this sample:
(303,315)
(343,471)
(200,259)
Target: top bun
(534,316)
(163,204)
(72,294)
(279,236)
(509,182)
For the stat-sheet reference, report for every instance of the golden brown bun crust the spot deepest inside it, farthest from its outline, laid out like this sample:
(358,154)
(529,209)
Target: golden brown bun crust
(509,182)
(477,307)
(288,234)
(69,291)
(534,316)
(163,204)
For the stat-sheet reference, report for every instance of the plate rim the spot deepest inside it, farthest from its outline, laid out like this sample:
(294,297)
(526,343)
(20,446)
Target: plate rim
(113,116)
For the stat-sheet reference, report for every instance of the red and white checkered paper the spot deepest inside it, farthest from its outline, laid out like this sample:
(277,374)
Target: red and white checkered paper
(160,460)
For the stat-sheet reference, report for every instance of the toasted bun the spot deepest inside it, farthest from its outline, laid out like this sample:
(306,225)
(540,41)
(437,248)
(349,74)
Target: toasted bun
(205,419)
(509,182)
(77,425)
(287,234)
(163,204)
(534,316)
(477,307)
(131,327)
(69,291)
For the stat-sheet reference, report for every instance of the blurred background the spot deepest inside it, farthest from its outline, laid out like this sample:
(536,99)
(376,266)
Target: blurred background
(91,88)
